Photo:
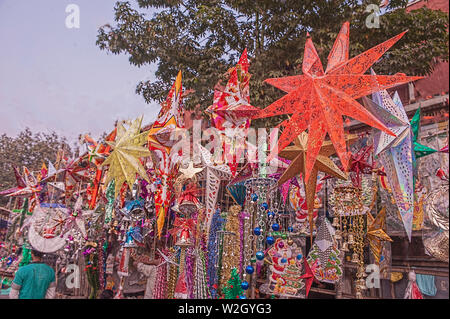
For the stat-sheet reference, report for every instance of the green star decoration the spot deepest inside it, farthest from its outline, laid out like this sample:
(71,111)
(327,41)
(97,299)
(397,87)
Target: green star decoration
(420,150)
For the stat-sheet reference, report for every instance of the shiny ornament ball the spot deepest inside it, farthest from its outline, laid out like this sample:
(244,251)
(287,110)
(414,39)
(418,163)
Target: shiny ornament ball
(265,205)
(291,229)
(275,227)
(257,231)
(290,242)
(260,255)
(283,260)
(299,256)
(281,244)
(242,297)
(249,270)
(271,214)
(244,285)
(254,197)
(270,240)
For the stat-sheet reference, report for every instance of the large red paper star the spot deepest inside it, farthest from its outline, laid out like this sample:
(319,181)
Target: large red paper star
(318,100)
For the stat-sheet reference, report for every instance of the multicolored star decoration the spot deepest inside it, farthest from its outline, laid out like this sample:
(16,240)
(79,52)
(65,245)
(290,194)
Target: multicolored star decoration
(32,187)
(97,153)
(318,100)
(170,122)
(376,233)
(124,161)
(20,182)
(298,155)
(231,110)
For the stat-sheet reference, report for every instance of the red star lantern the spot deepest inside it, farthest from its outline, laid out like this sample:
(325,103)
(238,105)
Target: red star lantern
(318,100)
(308,276)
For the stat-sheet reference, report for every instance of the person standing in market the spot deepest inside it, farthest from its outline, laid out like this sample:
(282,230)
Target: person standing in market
(34,281)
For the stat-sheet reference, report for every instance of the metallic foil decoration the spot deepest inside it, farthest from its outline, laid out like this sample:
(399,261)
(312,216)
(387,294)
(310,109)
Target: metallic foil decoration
(318,100)
(438,246)
(124,161)
(395,153)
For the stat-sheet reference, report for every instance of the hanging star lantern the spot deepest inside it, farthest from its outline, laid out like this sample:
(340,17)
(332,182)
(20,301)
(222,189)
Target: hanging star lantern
(308,276)
(233,103)
(20,182)
(124,161)
(395,153)
(298,156)
(318,100)
(231,112)
(361,162)
(376,233)
(161,139)
(170,119)
(32,187)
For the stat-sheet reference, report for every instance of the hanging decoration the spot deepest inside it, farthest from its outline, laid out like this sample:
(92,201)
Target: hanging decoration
(324,256)
(317,100)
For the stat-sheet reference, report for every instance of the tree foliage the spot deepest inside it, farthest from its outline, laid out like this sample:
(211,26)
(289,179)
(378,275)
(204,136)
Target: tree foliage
(30,150)
(204,38)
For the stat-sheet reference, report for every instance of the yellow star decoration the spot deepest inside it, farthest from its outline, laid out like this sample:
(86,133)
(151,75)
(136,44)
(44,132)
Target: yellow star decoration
(376,233)
(124,159)
(297,154)
(190,171)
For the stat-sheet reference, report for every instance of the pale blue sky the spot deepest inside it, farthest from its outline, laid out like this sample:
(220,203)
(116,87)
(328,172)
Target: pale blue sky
(55,78)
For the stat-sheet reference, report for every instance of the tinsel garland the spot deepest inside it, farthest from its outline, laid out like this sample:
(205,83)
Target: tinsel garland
(189,271)
(241,236)
(109,207)
(161,282)
(102,263)
(201,284)
(216,225)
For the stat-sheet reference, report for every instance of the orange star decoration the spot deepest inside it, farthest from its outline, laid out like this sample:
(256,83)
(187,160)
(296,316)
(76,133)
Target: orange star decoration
(318,100)
(297,154)
(376,233)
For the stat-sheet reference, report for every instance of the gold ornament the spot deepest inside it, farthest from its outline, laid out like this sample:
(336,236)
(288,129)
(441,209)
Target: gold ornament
(297,154)
(124,161)
(376,233)
(231,246)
